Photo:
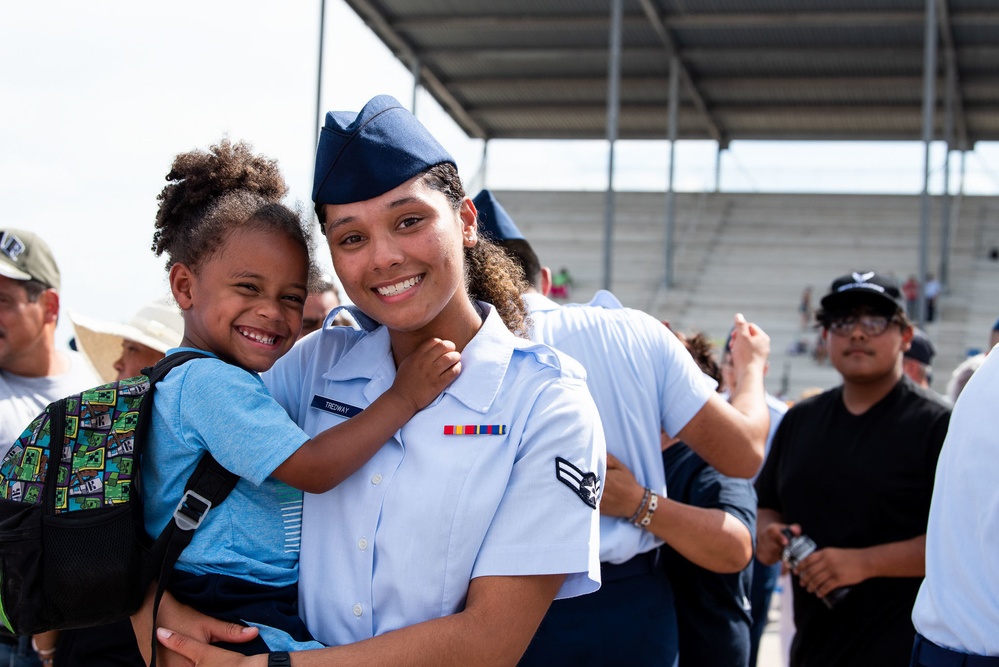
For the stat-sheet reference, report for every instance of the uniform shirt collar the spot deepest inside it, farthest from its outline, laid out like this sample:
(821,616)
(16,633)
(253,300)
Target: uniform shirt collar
(485,359)
(538,303)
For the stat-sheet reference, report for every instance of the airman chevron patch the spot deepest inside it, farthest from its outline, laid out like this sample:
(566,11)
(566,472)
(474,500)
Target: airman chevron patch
(586,485)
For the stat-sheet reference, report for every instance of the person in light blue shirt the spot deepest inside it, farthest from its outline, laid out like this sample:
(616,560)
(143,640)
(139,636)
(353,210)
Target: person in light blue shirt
(450,543)
(239,266)
(643,382)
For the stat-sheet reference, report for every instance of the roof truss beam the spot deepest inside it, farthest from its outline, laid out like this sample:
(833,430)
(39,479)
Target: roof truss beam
(953,81)
(693,21)
(402,50)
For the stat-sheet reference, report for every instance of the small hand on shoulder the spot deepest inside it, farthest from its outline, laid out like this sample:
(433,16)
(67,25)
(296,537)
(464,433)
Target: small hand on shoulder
(426,372)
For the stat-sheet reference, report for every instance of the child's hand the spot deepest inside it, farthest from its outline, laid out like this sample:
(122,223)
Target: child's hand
(425,373)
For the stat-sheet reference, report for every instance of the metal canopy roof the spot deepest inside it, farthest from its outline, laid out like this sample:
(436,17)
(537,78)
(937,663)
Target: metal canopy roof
(749,69)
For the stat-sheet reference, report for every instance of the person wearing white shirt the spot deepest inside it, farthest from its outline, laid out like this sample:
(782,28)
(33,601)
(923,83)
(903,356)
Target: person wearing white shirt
(956,613)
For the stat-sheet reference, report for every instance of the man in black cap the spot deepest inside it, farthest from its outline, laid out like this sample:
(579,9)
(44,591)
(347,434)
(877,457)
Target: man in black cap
(852,468)
(33,371)
(917,361)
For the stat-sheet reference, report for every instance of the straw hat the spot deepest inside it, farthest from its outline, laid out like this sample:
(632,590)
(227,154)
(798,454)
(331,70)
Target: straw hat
(158,325)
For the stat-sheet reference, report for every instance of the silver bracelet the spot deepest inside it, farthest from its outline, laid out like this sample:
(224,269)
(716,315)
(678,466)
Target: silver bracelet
(634,517)
(653,504)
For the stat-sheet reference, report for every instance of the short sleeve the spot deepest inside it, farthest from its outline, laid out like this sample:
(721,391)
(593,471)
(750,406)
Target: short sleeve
(547,521)
(713,490)
(240,424)
(685,388)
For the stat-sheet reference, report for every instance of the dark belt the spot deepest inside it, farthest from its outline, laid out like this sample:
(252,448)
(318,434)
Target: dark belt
(637,566)
(925,652)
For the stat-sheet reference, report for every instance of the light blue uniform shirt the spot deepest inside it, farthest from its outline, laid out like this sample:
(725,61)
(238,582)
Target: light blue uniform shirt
(642,379)
(398,542)
(208,404)
(958,601)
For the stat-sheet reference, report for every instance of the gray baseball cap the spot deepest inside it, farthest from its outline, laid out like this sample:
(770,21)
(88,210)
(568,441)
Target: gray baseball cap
(25,256)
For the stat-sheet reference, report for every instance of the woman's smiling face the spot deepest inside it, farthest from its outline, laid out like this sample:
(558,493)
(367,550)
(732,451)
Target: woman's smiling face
(400,256)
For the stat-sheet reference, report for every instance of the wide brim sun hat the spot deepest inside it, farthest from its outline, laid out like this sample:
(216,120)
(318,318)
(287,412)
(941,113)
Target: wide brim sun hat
(158,325)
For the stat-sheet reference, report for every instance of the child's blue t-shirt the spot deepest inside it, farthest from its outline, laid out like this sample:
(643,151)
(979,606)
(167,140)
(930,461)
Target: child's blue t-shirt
(208,404)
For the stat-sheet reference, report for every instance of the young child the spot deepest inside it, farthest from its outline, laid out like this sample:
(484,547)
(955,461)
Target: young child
(239,265)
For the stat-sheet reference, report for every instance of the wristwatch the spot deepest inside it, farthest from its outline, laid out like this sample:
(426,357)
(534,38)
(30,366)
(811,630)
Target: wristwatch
(278,659)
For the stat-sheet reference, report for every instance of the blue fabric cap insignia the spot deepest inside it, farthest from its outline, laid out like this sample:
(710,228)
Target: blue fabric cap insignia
(494,221)
(586,485)
(361,156)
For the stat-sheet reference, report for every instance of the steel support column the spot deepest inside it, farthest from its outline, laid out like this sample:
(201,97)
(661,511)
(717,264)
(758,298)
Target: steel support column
(320,121)
(674,109)
(929,105)
(718,163)
(946,210)
(613,105)
(414,68)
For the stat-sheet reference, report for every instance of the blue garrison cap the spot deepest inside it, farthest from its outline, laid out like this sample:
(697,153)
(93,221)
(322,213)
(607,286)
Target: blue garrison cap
(364,155)
(920,348)
(493,218)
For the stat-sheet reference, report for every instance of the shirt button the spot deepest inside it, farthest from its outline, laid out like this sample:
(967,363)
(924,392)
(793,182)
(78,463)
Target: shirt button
(358,610)
(376,478)
(362,544)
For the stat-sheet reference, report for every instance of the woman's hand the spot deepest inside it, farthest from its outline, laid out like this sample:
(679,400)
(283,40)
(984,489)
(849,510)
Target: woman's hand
(622,492)
(200,654)
(187,620)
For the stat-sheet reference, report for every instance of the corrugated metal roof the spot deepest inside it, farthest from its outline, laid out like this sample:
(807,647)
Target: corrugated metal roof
(751,69)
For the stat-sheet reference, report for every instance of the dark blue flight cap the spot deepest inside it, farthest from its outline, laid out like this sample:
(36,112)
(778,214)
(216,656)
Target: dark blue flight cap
(493,218)
(920,347)
(364,155)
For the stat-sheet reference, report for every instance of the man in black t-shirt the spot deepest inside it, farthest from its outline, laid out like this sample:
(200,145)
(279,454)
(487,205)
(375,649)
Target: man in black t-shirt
(853,469)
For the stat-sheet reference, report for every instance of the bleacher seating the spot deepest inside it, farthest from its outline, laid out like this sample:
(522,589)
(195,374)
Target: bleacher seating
(755,253)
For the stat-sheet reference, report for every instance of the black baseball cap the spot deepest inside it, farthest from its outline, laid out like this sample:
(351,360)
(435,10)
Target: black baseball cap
(863,286)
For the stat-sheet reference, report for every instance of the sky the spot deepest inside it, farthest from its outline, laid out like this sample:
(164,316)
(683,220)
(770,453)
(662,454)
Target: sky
(96,99)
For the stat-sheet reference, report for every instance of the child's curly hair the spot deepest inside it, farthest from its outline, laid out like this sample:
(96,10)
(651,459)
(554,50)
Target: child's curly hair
(211,193)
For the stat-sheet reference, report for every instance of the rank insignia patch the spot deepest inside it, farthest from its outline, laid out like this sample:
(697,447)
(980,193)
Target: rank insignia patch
(586,485)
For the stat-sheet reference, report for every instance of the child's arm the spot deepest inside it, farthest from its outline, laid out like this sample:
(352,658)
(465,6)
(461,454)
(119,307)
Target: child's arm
(333,455)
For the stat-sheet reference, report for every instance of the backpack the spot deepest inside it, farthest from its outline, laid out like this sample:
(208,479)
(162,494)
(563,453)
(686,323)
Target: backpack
(74,551)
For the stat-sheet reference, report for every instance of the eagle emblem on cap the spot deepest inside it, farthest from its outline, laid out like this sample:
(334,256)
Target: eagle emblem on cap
(863,277)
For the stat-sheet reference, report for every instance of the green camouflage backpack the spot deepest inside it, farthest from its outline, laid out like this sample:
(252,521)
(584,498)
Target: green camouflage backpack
(73,547)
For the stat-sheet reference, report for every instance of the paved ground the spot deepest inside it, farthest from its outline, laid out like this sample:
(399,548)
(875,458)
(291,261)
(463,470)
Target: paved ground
(771,652)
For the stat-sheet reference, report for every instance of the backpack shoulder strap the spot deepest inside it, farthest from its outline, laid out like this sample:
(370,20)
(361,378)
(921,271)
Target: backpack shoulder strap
(209,485)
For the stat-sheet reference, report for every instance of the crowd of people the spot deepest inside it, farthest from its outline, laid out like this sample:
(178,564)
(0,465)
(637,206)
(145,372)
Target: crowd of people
(458,469)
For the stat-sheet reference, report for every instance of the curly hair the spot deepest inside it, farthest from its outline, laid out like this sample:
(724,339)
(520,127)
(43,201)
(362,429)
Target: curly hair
(701,348)
(211,193)
(490,274)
